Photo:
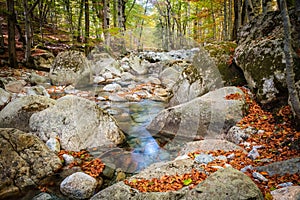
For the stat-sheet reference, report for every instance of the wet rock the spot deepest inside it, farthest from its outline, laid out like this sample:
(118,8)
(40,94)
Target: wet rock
(286,193)
(37,90)
(36,79)
(227,183)
(99,79)
(138,66)
(17,113)
(207,116)
(209,145)
(103,62)
(53,144)
(114,87)
(24,161)
(78,122)
(78,186)
(291,166)
(70,67)
(43,196)
(260,55)
(116,98)
(15,86)
(4,97)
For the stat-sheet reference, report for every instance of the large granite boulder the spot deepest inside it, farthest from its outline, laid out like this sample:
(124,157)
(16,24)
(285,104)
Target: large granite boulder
(222,53)
(78,122)
(196,79)
(260,55)
(227,183)
(24,161)
(207,116)
(17,113)
(103,62)
(70,67)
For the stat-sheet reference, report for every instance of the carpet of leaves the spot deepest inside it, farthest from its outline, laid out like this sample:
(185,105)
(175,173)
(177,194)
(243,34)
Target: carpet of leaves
(278,137)
(91,166)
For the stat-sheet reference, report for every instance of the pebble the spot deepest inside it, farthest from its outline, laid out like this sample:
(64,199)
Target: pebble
(287,184)
(204,158)
(253,154)
(259,177)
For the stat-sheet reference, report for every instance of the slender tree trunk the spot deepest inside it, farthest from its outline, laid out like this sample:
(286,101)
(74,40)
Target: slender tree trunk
(140,45)
(27,32)
(230,20)
(213,19)
(87,26)
(225,33)
(1,36)
(106,22)
(290,75)
(78,32)
(11,34)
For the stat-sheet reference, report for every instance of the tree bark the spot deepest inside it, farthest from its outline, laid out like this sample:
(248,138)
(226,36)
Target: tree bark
(225,33)
(1,36)
(27,32)
(290,75)
(78,32)
(106,22)
(11,34)
(87,26)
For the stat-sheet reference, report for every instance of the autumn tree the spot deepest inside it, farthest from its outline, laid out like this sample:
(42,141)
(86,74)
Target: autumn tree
(290,75)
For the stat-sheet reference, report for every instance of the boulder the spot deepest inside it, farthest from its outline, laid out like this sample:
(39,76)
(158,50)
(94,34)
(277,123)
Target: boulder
(291,166)
(227,183)
(15,86)
(78,122)
(207,116)
(24,161)
(42,60)
(260,55)
(196,79)
(78,186)
(103,62)
(70,67)
(286,193)
(209,145)
(222,53)
(4,97)
(238,135)
(17,113)
(37,90)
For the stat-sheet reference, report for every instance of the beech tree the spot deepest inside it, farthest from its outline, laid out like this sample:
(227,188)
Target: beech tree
(11,33)
(290,75)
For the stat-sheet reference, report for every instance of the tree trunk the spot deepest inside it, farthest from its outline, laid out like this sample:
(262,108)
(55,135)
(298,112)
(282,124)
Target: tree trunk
(87,26)
(290,75)
(1,37)
(27,32)
(213,19)
(11,34)
(78,32)
(230,20)
(225,33)
(106,22)
(140,45)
